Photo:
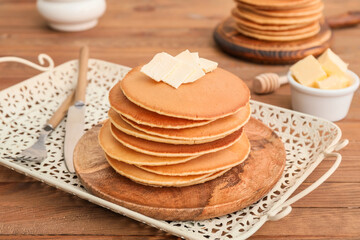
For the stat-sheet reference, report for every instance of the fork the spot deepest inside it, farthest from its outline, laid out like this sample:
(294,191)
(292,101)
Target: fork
(37,152)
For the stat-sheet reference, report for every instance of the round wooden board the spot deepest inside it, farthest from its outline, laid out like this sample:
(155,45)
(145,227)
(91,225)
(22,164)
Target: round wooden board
(236,189)
(269,52)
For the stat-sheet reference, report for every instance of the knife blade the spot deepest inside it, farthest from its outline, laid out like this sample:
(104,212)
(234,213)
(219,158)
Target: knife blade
(75,122)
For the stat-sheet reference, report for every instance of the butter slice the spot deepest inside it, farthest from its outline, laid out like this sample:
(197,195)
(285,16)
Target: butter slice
(186,67)
(195,75)
(196,57)
(191,59)
(160,67)
(308,71)
(181,72)
(207,65)
(332,63)
(188,57)
(334,82)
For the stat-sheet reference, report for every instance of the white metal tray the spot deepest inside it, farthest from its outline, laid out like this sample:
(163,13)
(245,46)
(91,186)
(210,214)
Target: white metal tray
(25,107)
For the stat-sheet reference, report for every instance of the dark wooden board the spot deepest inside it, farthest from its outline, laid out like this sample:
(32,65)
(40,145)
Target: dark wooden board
(269,52)
(238,188)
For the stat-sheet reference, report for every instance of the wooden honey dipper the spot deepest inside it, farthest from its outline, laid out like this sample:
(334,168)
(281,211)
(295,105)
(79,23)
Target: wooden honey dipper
(268,82)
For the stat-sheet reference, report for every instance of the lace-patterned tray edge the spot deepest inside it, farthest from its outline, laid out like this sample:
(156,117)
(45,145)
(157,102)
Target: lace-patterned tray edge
(277,211)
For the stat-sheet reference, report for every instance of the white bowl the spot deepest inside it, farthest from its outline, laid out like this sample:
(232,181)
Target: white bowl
(332,105)
(71,15)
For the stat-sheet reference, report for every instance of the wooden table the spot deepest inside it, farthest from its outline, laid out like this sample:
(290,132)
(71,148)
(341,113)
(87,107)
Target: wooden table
(130,33)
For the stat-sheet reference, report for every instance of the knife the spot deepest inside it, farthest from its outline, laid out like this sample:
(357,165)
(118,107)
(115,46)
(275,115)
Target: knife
(76,114)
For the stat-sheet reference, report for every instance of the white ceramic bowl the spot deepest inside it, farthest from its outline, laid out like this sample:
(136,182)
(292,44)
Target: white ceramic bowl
(71,15)
(332,105)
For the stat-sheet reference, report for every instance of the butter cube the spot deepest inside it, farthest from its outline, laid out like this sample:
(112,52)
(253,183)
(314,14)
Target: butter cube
(334,82)
(181,72)
(332,63)
(307,71)
(207,65)
(160,66)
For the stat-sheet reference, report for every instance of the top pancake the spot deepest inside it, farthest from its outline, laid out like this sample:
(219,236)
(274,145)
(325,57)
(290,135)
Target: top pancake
(215,95)
(122,105)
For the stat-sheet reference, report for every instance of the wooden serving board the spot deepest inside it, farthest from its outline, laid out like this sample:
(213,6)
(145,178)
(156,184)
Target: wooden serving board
(236,189)
(269,52)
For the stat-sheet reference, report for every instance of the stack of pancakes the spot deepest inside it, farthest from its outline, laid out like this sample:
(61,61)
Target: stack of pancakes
(278,20)
(161,136)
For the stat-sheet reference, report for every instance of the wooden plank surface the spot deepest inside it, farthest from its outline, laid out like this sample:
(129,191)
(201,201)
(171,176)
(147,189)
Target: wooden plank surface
(130,33)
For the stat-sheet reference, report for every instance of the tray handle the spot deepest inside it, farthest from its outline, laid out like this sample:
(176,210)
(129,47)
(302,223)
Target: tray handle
(285,208)
(42,58)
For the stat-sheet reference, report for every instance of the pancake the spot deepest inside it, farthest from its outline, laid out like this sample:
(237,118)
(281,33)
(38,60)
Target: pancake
(131,111)
(276,4)
(262,19)
(118,151)
(268,27)
(144,177)
(316,8)
(217,94)
(220,160)
(214,130)
(125,127)
(277,38)
(172,150)
(212,176)
(309,28)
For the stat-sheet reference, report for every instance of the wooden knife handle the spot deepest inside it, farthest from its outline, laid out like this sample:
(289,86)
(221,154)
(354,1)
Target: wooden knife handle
(62,110)
(82,79)
(348,19)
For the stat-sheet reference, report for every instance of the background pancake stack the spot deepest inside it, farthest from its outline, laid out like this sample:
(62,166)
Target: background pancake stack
(278,20)
(161,136)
